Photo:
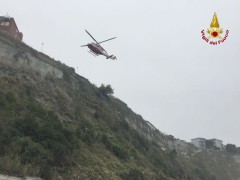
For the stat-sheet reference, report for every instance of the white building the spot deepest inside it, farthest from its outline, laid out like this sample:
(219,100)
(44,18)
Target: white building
(208,143)
(218,143)
(199,142)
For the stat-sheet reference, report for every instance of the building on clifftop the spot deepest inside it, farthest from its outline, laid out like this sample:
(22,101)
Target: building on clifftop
(208,143)
(217,144)
(199,142)
(8,25)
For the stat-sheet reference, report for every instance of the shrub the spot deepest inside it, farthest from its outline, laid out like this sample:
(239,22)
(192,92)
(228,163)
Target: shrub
(7,101)
(10,97)
(140,142)
(46,172)
(204,174)
(135,174)
(36,109)
(28,150)
(85,132)
(117,149)
(66,75)
(232,148)
(106,90)
(173,154)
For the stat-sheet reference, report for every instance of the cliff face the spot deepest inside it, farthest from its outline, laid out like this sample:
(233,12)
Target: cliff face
(57,125)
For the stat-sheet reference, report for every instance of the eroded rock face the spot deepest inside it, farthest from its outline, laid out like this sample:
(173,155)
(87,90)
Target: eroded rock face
(14,55)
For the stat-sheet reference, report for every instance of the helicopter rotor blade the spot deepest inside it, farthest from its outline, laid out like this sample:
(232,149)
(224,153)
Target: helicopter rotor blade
(107,40)
(91,36)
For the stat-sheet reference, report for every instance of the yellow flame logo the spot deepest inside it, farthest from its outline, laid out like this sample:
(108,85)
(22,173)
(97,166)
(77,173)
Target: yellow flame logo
(214,23)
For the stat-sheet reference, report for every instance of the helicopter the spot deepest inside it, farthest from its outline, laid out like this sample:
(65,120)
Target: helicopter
(96,49)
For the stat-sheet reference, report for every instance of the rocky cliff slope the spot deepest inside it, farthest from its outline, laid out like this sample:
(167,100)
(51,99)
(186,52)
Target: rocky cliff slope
(55,124)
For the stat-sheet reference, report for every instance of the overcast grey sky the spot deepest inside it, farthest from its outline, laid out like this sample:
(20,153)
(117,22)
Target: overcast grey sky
(165,71)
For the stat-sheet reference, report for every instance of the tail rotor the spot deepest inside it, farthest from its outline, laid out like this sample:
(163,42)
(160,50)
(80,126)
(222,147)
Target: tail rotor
(112,57)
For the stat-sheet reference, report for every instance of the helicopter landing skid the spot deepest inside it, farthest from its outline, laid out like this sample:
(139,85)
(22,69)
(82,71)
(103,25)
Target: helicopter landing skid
(92,53)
